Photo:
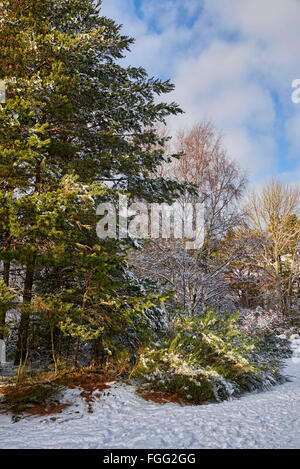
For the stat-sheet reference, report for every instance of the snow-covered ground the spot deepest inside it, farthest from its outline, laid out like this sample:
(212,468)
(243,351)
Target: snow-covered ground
(121,419)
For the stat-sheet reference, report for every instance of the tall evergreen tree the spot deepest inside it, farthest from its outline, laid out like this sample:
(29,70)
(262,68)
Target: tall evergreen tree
(72,111)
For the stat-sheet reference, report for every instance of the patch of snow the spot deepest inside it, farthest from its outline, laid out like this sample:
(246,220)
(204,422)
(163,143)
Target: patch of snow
(121,419)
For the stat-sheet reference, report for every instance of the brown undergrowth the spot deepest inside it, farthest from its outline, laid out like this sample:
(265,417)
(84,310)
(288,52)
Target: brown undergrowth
(162,397)
(90,383)
(41,395)
(47,409)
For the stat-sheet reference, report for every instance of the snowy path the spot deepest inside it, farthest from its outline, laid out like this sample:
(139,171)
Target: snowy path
(121,419)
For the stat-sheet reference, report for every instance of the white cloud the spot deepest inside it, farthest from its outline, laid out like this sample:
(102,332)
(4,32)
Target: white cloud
(234,64)
(160,41)
(217,85)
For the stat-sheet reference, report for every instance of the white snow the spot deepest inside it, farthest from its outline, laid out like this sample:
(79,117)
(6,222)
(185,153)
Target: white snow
(122,420)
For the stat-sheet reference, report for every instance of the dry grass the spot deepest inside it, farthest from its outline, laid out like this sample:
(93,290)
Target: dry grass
(162,397)
(40,395)
(28,397)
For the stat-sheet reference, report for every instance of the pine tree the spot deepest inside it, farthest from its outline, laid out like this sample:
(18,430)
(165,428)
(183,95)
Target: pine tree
(72,111)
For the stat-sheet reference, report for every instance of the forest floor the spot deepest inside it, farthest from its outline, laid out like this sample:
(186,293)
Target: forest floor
(119,418)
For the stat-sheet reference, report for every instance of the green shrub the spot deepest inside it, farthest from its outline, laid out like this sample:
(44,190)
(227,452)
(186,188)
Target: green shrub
(208,358)
(269,356)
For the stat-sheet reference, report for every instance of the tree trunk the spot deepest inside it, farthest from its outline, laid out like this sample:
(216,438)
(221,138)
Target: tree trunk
(53,349)
(24,323)
(27,293)
(6,273)
(98,354)
(6,270)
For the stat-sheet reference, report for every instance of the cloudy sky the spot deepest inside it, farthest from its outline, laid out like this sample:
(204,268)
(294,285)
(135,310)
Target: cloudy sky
(232,62)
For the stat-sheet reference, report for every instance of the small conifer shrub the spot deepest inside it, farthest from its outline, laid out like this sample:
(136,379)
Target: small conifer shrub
(209,358)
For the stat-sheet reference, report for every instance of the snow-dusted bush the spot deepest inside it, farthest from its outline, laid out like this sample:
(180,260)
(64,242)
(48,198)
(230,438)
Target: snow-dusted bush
(269,356)
(210,358)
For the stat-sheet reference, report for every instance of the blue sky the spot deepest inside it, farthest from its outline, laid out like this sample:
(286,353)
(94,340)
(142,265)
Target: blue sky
(232,62)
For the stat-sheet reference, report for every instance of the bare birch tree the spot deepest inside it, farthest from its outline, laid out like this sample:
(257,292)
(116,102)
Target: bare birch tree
(198,276)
